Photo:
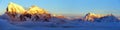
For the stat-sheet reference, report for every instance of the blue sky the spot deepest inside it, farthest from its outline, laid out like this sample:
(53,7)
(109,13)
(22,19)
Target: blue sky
(69,7)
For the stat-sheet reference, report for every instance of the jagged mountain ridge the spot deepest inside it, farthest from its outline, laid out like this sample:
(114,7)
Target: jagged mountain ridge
(109,18)
(18,13)
(34,13)
(100,18)
(91,16)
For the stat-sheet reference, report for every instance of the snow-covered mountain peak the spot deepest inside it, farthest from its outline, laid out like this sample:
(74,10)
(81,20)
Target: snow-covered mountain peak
(91,16)
(15,8)
(35,9)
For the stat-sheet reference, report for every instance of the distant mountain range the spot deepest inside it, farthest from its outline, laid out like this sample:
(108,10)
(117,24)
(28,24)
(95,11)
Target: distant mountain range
(17,13)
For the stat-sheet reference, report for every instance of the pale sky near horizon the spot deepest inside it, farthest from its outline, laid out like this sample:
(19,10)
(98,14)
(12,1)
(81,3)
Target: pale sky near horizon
(69,7)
